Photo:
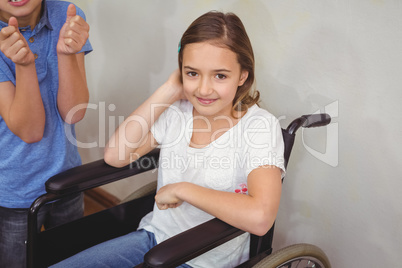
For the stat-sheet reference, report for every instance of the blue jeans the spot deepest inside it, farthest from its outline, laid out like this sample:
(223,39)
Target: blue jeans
(13,227)
(124,251)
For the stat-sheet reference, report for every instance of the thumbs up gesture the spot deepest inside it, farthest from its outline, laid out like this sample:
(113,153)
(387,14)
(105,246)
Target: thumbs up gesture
(73,34)
(13,44)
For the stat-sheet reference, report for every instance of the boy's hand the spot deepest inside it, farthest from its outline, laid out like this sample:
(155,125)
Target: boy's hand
(13,44)
(73,34)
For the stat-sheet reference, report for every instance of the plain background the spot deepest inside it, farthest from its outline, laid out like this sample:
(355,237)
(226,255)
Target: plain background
(343,185)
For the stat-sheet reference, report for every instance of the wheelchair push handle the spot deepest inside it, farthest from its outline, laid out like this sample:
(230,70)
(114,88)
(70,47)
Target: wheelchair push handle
(308,121)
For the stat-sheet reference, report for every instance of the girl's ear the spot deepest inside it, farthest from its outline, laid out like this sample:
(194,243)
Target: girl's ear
(243,78)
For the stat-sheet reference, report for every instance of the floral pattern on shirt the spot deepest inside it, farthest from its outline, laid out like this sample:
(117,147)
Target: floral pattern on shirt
(242,189)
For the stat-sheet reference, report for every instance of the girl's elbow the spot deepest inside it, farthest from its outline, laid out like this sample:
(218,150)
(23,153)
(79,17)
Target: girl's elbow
(262,229)
(263,224)
(259,230)
(110,159)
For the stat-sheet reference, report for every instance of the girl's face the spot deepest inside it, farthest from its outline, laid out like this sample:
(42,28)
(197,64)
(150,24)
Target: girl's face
(27,12)
(211,76)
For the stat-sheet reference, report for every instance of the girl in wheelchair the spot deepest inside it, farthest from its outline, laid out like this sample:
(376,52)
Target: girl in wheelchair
(221,154)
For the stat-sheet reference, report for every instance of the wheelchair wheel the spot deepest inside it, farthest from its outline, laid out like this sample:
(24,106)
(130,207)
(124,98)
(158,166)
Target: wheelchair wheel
(298,255)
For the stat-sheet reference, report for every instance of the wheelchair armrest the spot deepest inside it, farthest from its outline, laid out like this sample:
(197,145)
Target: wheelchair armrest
(190,244)
(98,173)
(308,121)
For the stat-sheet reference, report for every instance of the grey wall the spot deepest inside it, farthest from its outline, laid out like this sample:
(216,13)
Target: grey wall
(342,57)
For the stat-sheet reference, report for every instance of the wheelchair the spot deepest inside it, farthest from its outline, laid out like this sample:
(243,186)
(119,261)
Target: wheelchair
(48,247)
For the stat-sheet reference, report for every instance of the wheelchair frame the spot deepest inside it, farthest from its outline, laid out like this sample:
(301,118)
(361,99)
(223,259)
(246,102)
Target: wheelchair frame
(53,245)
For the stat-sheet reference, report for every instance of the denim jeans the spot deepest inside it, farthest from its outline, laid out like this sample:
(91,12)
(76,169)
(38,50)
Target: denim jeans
(124,251)
(13,227)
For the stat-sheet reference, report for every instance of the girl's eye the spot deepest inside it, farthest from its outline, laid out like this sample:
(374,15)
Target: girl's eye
(191,74)
(220,76)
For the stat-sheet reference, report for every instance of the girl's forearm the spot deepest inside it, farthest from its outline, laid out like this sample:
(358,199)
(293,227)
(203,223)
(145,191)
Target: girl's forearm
(73,95)
(254,212)
(239,210)
(133,138)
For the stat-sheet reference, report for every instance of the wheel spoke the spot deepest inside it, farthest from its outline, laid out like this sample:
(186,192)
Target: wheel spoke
(296,256)
(302,262)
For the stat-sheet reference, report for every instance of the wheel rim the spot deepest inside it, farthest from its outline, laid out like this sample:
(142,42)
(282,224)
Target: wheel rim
(302,262)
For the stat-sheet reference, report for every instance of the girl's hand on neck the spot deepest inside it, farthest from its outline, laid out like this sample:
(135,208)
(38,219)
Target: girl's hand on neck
(173,87)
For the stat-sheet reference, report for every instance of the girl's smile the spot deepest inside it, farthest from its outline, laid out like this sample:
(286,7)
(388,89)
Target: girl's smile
(205,101)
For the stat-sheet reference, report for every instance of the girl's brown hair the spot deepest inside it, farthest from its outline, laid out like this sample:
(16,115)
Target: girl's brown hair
(225,30)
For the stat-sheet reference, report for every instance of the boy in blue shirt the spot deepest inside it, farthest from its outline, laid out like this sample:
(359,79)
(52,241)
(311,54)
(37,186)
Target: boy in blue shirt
(42,78)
